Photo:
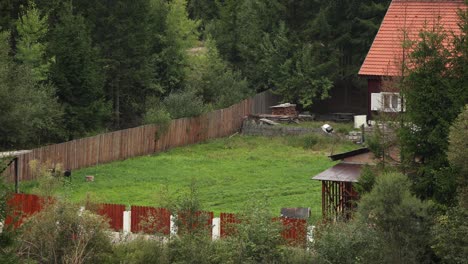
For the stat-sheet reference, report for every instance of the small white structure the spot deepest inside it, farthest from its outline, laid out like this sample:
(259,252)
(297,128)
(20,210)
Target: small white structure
(360,120)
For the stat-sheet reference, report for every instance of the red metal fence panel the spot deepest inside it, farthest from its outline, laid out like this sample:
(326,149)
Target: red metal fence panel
(150,220)
(228,224)
(114,214)
(294,231)
(189,222)
(22,206)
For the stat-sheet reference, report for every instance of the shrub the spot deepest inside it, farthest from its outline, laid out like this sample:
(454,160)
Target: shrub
(450,235)
(60,234)
(184,104)
(214,80)
(366,180)
(400,218)
(159,116)
(390,226)
(351,242)
(140,251)
(310,141)
(7,234)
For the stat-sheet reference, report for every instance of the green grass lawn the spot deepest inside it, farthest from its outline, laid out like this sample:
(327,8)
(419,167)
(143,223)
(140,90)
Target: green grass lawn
(228,173)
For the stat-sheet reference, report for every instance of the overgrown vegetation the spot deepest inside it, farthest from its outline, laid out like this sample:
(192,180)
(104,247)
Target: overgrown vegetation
(390,226)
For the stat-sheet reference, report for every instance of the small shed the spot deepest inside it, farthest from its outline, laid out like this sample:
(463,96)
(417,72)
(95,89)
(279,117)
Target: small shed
(286,109)
(338,192)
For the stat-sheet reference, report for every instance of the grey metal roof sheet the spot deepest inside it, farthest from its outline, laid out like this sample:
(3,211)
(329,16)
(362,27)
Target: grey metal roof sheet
(342,172)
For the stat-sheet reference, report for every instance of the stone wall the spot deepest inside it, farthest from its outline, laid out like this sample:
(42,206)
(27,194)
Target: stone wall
(251,128)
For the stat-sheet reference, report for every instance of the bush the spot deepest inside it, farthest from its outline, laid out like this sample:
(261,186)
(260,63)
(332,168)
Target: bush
(310,141)
(7,234)
(351,242)
(159,116)
(140,251)
(366,180)
(60,234)
(213,79)
(390,226)
(450,235)
(184,104)
(400,218)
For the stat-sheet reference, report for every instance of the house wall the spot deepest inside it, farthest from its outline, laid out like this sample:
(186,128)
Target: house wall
(374,85)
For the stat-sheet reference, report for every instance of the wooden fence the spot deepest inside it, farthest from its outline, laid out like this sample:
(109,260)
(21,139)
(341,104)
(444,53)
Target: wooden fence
(142,140)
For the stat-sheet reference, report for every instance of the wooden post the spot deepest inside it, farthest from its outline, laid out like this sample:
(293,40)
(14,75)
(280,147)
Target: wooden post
(15,160)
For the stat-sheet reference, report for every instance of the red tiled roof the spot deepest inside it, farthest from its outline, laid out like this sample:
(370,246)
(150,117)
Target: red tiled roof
(386,53)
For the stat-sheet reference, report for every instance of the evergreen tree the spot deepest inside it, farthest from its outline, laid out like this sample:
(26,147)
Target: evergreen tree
(181,34)
(77,75)
(203,10)
(434,97)
(30,49)
(212,78)
(121,30)
(30,114)
(299,75)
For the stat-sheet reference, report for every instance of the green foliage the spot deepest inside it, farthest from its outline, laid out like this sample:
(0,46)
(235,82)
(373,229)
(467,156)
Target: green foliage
(180,28)
(183,104)
(351,242)
(310,141)
(78,238)
(214,80)
(458,144)
(366,180)
(258,238)
(7,235)
(158,115)
(27,108)
(77,75)
(457,150)
(31,49)
(450,235)
(302,48)
(320,142)
(298,75)
(140,251)
(401,218)
(434,98)
(390,226)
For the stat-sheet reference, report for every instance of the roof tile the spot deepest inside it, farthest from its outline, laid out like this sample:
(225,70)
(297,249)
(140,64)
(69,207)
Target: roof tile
(386,52)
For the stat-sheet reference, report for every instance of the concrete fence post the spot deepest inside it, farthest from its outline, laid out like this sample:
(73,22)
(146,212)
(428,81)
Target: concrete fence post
(216,228)
(173,226)
(127,221)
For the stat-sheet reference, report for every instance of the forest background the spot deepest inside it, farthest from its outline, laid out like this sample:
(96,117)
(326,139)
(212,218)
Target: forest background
(77,68)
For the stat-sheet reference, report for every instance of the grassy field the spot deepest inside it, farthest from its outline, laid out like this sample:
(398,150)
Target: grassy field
(228,173)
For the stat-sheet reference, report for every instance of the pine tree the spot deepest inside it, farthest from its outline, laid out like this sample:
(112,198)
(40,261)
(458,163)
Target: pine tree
(31,47)
(434,96)
(30,113)
(77,75)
